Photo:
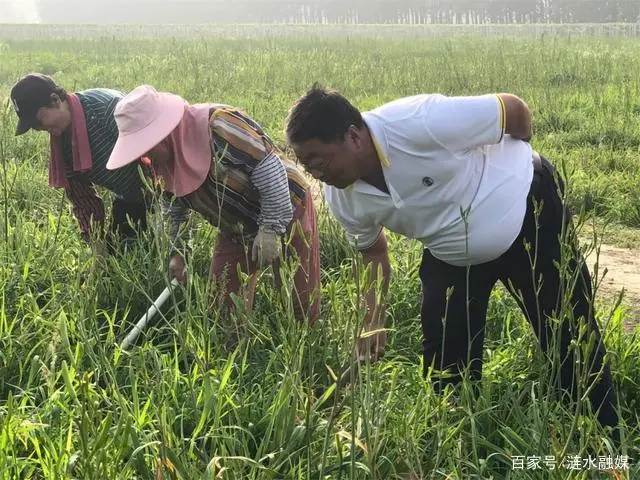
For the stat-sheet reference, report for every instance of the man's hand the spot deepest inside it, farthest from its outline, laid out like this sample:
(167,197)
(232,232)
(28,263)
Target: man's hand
(372,344)
(177,268)
(266,247)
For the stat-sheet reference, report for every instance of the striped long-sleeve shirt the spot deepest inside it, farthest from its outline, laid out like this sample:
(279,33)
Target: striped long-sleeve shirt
(251,183)
(98,105)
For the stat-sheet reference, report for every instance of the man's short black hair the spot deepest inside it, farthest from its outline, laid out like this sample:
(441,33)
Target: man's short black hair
(321,113)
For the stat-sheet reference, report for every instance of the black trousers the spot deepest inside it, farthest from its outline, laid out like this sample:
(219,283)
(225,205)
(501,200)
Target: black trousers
(128,221)
(453,328)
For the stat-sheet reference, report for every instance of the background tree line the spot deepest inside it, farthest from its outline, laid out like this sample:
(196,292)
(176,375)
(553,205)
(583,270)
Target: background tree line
(339,11)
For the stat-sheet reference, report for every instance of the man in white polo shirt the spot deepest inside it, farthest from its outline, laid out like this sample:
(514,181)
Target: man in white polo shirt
(458,174)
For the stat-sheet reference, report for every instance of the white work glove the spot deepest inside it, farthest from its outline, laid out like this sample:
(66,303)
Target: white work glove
(266,247)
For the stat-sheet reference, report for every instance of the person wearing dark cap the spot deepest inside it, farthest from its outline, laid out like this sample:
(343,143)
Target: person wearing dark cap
(82,132)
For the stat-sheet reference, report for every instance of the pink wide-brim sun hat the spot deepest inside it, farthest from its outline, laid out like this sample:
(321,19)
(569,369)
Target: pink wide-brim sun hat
(144,117)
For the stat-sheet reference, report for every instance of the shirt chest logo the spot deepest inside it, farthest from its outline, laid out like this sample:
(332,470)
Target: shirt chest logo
(427,181)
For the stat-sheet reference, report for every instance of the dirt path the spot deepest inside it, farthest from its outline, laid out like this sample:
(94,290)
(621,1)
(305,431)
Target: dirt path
(623,271)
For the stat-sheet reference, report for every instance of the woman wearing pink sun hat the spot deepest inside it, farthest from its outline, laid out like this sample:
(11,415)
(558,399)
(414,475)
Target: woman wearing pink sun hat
(216,160)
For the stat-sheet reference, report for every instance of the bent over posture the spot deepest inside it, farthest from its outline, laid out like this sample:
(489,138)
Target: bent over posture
(458,174)
(82,133)
(216,160)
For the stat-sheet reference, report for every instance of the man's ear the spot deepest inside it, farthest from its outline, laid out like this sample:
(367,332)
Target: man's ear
(354,135)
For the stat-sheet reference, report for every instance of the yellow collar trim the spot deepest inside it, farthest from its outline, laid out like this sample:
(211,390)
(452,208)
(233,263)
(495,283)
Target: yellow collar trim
(384,160)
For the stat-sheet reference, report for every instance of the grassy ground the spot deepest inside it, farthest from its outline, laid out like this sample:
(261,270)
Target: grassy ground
(184,404)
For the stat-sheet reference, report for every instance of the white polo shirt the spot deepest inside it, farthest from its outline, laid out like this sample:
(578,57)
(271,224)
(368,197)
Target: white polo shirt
(456,182)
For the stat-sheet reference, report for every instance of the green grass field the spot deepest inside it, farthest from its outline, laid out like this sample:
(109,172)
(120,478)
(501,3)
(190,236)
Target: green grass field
(185,405)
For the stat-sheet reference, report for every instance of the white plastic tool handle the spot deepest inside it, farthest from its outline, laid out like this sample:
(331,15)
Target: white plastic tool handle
(153,309)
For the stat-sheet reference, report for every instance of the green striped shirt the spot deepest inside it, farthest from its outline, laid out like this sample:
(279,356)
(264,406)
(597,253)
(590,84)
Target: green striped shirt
(98,105)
